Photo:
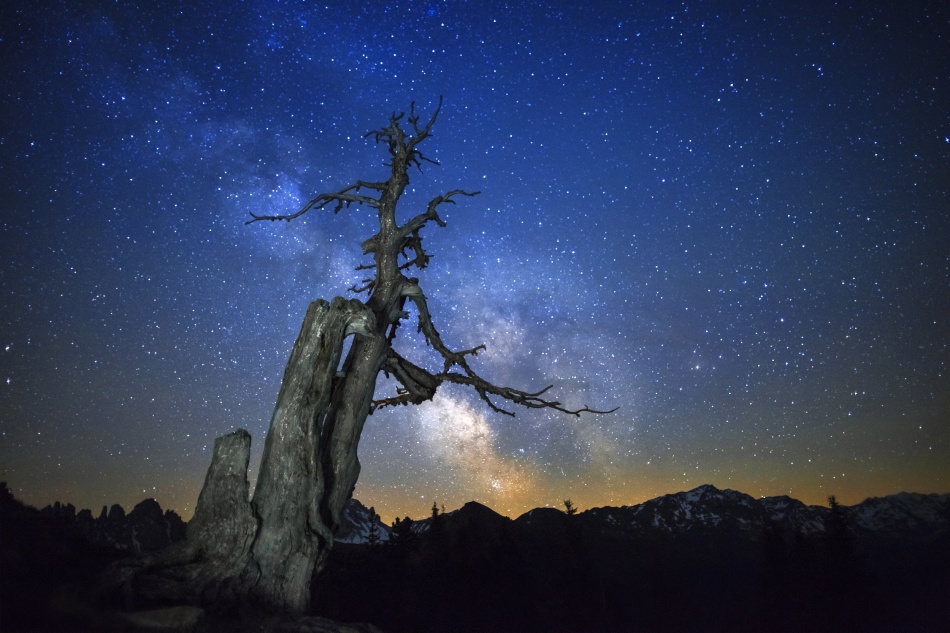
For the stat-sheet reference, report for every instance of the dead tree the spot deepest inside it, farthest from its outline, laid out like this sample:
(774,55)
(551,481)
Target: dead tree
(265,550)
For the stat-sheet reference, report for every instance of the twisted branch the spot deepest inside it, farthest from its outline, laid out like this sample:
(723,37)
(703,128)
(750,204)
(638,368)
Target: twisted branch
(419,385)
(430,213)
(390,289)
(343,197)
(409,232)
(395,137)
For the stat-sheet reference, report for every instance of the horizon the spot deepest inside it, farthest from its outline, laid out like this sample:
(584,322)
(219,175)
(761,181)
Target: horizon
(443,510)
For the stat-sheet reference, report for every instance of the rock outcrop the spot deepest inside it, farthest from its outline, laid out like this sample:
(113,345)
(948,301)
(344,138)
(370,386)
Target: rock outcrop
(147,528)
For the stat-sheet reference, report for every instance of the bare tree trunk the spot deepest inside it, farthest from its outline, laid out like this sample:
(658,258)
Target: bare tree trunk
(265,551)
(219,537)
(304,479)
(223,527)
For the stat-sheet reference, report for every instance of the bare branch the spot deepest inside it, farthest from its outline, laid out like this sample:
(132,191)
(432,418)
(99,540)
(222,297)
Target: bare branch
(418,385)
(414,243)
(431,212)
(378,186)
(343,197)
(425,132)
(414,292)
(484,388)
(368,284)
(403,397)
(390,289)
(420,156)
(519,397)
(395,137)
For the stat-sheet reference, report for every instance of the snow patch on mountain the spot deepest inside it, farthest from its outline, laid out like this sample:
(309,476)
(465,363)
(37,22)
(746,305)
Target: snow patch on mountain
(707,508)
(356,524)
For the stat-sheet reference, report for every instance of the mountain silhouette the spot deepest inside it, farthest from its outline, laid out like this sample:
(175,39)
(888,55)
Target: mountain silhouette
(699,560)
(704,559)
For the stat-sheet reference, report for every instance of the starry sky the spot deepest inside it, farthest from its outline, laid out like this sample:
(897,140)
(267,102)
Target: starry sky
(730,220)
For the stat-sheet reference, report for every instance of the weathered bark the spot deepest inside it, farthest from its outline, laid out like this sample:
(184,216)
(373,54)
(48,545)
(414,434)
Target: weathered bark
(202,567)
(294,500)
(223,527)
(266,550)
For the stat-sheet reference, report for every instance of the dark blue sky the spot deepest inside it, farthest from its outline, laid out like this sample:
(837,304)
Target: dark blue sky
(731,222)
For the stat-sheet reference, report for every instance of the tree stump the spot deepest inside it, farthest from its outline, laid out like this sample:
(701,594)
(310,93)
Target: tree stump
(266,550)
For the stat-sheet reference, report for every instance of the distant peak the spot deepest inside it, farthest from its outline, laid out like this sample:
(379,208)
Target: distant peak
(701,491)
(476,507)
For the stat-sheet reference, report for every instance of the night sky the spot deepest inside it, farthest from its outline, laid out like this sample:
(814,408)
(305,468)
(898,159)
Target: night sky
(731,223)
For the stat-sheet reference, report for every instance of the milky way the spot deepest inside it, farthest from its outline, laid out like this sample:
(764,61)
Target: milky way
(731,223)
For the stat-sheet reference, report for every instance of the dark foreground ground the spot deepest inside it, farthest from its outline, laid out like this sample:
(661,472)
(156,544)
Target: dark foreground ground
(477,571)
(481,572)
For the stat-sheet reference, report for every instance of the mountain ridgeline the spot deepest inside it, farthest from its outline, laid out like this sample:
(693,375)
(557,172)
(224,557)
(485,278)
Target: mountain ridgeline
(706,559)
(702,560)
(708,508)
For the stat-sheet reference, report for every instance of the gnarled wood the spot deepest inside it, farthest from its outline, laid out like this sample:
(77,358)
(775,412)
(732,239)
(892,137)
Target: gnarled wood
(297,509)
(266,550)
(220,534)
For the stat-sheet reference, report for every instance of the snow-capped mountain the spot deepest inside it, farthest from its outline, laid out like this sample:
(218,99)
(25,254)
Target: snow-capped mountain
(357,522)
(903,512)
(707,507)
(793,515)
(703,559)
(702,507)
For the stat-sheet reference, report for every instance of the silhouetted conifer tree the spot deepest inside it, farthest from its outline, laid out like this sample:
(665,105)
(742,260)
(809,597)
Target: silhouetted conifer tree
(402,534)
(372,537)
